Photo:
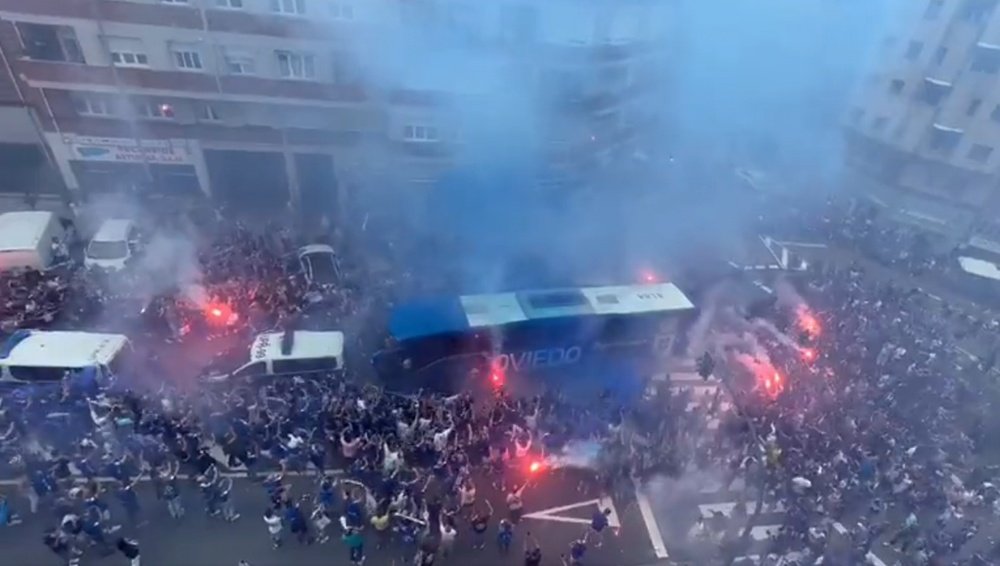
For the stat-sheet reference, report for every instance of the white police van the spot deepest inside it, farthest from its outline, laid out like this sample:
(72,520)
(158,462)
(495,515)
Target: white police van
(290,353)
(42,356)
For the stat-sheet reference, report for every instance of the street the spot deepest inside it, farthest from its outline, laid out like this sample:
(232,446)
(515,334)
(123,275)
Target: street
(558,509)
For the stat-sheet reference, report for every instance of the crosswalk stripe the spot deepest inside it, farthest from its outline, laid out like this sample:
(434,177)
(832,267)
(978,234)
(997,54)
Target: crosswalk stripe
(764,532)
(707,510)
(711,487)
(216,452)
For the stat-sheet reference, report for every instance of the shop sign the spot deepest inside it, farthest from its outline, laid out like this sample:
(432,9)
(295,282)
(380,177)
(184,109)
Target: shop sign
(125,150)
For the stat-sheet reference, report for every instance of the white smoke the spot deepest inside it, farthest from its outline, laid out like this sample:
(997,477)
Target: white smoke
(788,296)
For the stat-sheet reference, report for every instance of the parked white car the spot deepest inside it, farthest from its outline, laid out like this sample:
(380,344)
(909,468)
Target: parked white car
(115,242)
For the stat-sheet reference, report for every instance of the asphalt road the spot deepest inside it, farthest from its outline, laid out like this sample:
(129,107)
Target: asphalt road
(558,509)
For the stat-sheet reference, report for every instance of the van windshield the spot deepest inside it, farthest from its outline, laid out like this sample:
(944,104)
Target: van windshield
(107,250)
(37,374)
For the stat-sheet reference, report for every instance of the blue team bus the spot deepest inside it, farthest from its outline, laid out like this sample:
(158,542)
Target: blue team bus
(603,336)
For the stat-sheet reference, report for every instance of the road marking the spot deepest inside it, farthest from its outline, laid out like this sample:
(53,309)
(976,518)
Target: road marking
(803,245)
(551,514)
(234,475)
(764,532)
(874,560)
(648,519)
(709,509)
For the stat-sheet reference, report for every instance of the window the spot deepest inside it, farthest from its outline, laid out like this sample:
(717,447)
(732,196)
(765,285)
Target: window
(187,57)
(977,11)
(896,86)
(933,10)
(208,113)
(973,107)
(986,60)
(995,115)
(940,54)
(44,42)
(933,91)
(40,374)
(879,123)
(980,153)
(155,110)
(944,139)
(305,365)
(341,11)
(93,104)
(239,62)
(292,7)
(296,65)
(913,50)
(127,52)
(232,4)
(420,133)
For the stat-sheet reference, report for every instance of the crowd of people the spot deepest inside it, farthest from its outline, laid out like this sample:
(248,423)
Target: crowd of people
(878,434)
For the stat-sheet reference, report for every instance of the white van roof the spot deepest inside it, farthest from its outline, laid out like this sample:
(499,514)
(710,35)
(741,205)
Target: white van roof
(41,348)
(315,249)
(23,230)
(113,230)
(305,345)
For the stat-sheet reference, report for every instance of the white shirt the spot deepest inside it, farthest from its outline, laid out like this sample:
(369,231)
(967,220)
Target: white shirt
(350,448)
(522,451)
(441,440)
(391,460)
(448,535)
(468,496)
(273,524)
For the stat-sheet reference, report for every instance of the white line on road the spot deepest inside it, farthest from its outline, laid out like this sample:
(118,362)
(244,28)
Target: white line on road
(655,537)
(764,532)
(145,477)
(552,513)
(707,510)
(803,244)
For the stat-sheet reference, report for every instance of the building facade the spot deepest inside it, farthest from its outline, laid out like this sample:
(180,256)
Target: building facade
(924,130)
(272,102)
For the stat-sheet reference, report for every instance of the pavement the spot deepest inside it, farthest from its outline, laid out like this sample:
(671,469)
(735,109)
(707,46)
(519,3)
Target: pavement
(558,507)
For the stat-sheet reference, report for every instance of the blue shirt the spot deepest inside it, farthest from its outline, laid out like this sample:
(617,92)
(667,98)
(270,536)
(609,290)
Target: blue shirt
(599,521)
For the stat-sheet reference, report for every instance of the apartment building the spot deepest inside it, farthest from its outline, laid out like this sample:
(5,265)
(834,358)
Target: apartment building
(272,102)
(925,127)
